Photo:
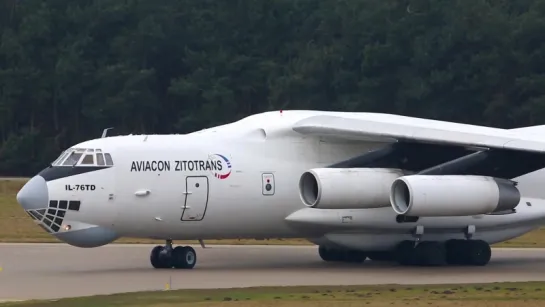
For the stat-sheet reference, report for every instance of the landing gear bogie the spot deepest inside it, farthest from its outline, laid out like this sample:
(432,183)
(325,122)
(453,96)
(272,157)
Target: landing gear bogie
(166,257)
(414,253)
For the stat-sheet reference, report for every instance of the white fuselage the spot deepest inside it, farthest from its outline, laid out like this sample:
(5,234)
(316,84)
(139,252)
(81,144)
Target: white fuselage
(154,191)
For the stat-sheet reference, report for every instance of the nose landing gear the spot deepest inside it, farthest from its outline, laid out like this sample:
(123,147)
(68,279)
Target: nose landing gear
(166,257)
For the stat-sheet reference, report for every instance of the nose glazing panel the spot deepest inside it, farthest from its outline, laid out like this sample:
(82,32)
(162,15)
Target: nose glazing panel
(53,217)
(49,214)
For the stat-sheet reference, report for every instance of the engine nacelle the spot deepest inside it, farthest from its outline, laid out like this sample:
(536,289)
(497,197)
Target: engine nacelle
(347,188)
(422,195)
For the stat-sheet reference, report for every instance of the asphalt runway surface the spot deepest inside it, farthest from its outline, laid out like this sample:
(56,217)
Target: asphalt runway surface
(49,271)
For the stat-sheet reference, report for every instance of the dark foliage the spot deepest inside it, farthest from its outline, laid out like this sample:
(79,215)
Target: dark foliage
(69,69)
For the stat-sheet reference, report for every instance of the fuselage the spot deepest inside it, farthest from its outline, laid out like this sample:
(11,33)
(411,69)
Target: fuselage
(239,180)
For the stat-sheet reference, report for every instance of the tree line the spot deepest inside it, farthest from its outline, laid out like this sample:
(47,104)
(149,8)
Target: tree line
(69,69)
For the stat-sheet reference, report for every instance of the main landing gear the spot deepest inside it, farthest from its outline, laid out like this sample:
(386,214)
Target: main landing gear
(422,253)
(166,257)
(426,253)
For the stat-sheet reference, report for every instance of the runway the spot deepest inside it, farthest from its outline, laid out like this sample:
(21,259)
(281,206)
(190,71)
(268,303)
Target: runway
(47,271)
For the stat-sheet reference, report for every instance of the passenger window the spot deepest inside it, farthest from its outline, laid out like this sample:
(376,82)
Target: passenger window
(109,160)
(72,159)
(100,159)
(88,159)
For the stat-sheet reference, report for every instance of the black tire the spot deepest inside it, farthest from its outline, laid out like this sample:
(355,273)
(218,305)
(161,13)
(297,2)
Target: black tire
(184,257)
(430,253)
(354,256)
(404,253)
(479,253)
(454,252)
(381,256)
(178,257)
(337,255)
(156,259)
(326,254)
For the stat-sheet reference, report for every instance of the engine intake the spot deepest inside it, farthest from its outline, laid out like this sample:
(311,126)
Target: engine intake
(347,188)
(422,195)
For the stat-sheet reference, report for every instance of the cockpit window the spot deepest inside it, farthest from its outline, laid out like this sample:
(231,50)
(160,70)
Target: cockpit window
(72,159)
(109,160)
(60,158)
(88,159)
(100,159)
(91,157)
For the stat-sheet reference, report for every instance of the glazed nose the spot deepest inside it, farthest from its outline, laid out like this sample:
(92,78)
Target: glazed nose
(34,194)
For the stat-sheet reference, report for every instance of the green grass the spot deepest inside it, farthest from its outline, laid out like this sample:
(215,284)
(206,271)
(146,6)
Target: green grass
(527,294)
(18,227)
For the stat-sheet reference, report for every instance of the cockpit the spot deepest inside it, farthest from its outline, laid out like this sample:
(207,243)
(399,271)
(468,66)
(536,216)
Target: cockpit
(83,157)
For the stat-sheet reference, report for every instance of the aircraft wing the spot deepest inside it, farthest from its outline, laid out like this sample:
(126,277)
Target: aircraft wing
(421,131)
(433,147)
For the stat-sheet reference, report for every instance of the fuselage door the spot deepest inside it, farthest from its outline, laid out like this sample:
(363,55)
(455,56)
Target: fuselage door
(196,198)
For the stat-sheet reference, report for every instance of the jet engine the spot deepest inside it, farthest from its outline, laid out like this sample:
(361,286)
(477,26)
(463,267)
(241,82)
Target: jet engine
(422,195)
(347,188)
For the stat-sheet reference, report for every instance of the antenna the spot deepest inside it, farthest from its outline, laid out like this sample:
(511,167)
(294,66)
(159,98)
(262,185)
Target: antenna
(105,132)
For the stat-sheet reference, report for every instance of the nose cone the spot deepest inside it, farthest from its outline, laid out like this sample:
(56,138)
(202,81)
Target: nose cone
(34,194)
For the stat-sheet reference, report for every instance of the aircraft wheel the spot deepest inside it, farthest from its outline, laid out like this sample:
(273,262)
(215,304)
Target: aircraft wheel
(429,253)
(330,254)
(324,253)
(354,256)
(159,257)
(456,252)
(468,252)
(381,256)
(478,253)
(184,257)
(405,252)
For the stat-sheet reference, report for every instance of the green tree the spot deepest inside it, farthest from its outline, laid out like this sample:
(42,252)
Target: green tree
(69,69)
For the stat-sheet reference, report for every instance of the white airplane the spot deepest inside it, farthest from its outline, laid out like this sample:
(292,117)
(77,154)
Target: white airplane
(359,185)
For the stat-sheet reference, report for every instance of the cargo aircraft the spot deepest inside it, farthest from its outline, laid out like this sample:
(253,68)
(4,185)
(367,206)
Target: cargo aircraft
(358,185)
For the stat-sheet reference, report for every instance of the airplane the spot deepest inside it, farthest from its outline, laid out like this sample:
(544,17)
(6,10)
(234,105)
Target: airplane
(360,186)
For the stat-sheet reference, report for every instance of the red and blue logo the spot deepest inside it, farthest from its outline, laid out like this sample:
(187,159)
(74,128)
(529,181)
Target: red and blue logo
(224,166)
